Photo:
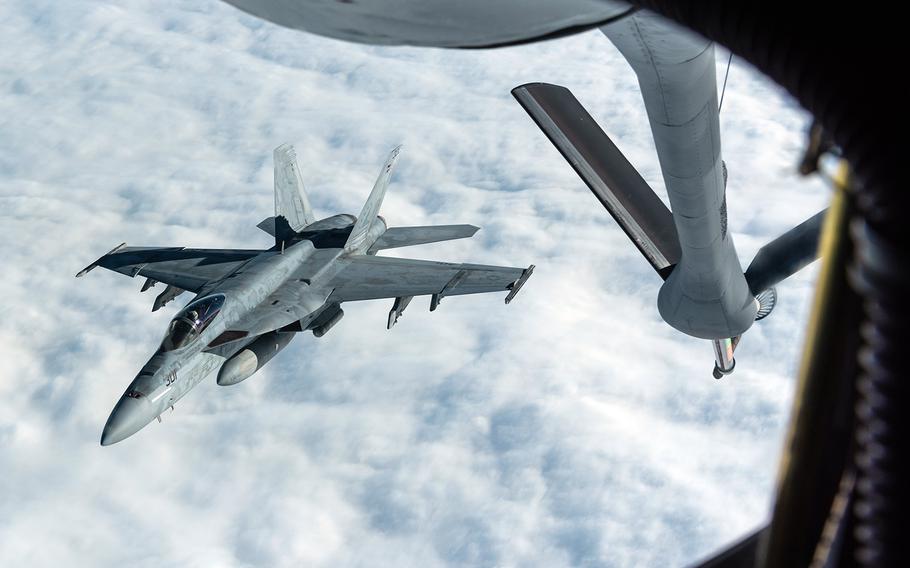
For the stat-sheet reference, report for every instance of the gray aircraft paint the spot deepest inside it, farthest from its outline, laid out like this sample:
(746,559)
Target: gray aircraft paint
(690,248)
(608,174)
(296,285)
(437,23)
(291,200)
(706,295)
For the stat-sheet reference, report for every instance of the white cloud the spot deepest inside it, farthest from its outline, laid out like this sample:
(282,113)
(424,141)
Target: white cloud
(572,427)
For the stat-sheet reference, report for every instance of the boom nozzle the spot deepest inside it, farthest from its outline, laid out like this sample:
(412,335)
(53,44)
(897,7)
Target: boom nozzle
(724,363)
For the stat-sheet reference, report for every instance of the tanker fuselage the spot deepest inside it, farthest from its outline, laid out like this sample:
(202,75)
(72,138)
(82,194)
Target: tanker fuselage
(706,294)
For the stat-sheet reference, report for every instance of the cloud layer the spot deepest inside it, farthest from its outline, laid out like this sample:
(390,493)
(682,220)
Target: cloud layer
(572,427)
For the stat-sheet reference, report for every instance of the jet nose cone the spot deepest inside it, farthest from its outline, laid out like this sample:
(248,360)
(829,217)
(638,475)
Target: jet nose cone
(127,418)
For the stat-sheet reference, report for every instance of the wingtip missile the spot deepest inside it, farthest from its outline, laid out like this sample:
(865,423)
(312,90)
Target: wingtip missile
(516,286)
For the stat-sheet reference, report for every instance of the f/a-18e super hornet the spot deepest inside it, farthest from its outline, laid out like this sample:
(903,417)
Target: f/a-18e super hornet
(249,304)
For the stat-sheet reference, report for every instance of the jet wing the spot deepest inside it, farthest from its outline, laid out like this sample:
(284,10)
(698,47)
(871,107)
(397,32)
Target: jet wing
(409,236)
(612,179)
(374,277)
(184,268)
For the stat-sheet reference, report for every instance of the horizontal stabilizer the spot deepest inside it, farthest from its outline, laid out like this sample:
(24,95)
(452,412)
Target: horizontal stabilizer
(410,236)
(614,181)
(268,225)
(786,255)
(367,277)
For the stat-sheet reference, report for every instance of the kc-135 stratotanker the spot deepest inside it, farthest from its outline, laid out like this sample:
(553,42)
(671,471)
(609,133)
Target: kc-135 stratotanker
(249,304)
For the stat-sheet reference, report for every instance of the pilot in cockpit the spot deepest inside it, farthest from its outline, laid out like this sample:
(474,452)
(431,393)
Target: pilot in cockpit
(187,326)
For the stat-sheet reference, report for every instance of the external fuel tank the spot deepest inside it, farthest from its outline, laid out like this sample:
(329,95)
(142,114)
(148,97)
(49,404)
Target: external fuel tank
(253,357)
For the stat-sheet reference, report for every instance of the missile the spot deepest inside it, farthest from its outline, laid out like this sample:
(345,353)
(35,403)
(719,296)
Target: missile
(253,357)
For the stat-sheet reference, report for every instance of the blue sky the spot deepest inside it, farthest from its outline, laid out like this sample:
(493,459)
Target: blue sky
(571,428)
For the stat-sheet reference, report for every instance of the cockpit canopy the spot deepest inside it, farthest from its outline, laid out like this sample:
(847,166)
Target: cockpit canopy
(191,321)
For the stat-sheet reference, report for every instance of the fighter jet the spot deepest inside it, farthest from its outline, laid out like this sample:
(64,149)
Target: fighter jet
(249,304)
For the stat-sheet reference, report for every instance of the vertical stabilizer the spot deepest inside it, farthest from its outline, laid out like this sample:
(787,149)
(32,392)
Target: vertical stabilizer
(291,201)
(374,202)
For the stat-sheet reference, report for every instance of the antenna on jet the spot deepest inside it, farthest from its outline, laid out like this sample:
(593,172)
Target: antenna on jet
(723,89)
